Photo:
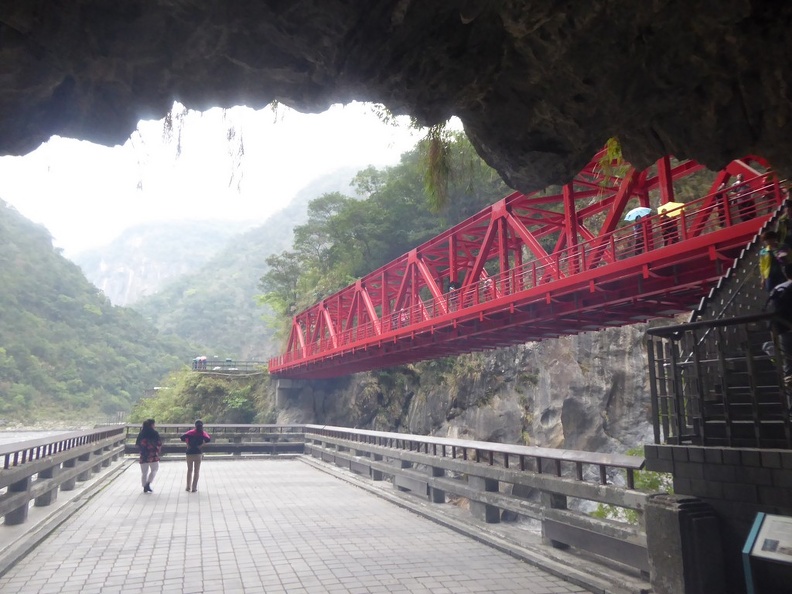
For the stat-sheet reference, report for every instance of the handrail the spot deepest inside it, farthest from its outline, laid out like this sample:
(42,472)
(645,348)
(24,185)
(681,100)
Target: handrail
(675,329)
(422,466)
(451,448)
(615,460)
(18,453)
(733,393)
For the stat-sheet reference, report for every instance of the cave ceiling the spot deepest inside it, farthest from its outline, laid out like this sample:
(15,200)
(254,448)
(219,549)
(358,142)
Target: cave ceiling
(539,85)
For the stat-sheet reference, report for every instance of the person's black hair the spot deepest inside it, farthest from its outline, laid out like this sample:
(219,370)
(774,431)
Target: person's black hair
(770,235)
(198,423)
(147,431)
(788,271)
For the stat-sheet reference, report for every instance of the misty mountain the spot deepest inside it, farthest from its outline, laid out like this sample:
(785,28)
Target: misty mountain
(143,258)
(65,351)
(216,306)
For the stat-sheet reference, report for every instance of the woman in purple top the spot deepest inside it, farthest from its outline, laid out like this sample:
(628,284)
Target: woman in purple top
(150,444)
(194,438)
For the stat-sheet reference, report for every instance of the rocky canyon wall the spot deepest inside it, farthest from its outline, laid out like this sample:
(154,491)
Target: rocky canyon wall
(585,392)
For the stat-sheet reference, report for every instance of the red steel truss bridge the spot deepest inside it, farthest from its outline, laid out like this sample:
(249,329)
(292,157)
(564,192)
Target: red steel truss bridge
(539,265)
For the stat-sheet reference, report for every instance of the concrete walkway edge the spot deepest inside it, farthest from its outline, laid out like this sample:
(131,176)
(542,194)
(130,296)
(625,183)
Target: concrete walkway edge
(17,550)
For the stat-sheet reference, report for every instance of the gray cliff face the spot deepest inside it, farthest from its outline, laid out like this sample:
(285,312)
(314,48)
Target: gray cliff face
(586,392)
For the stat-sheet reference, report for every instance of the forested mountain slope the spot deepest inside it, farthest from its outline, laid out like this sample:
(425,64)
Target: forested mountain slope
(65,351)
(144,258)
(216,307)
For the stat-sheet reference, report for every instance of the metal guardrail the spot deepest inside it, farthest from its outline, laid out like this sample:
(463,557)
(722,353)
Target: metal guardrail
(433,468)
(728,392)
(24,452)
(56,463)
(228,366)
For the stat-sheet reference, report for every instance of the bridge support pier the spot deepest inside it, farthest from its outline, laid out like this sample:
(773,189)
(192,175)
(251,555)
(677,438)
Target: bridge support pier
(284,388)
(684,546)
(51,495)
(20,514)
(484,511)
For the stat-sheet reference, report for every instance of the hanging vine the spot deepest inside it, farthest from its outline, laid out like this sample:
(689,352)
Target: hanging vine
(173,126)
(236,152)
(436,157)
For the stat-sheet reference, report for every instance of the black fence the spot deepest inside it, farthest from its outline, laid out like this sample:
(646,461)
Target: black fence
(720,383)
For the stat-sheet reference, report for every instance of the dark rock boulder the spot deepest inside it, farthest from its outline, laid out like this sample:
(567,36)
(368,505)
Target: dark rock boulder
(539,85)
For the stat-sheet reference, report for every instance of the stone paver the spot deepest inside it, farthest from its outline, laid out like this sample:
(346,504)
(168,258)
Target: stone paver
(262,526)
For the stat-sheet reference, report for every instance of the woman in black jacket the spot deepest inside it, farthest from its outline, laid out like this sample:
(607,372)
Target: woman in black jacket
(150,444)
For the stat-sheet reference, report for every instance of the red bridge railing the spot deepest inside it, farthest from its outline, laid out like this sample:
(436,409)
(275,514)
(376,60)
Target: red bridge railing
(490,281)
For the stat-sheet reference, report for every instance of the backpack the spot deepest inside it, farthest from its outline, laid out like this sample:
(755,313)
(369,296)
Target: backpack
(780,301)
(777,262)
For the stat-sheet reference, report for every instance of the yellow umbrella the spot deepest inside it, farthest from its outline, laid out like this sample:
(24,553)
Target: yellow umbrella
(672,209)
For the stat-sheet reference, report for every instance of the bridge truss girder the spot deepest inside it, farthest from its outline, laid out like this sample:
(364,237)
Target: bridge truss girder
(534,266)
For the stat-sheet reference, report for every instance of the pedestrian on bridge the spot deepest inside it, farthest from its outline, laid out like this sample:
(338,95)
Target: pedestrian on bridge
(194,438)
(772,259)
(150,444)
(784,227)
(781,301)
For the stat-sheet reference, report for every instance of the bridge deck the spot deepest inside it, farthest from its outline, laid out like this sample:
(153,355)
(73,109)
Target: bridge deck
(261,526)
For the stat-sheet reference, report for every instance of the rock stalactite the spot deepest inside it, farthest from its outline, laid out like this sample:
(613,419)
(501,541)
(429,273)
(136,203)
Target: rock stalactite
(539,85)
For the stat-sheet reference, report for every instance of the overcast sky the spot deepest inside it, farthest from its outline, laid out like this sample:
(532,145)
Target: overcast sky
(86,194)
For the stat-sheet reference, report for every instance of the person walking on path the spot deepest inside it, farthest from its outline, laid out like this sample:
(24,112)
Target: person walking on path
(194,438)
(784,226)
(150,444)
(772,259)
(781,301)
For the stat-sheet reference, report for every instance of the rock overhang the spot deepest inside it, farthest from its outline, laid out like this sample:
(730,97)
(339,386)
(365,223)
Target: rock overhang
(538,86)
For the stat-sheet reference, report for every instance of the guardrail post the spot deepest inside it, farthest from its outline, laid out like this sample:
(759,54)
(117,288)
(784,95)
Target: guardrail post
(376,475)
(553,501)
(51,495)
(484,511)
(403,464)
(684,546)
(69,484)
(97,468)
(107,461)
(85,474)
(437,495)
(20,514)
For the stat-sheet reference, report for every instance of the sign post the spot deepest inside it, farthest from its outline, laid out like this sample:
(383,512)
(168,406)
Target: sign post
(767,555)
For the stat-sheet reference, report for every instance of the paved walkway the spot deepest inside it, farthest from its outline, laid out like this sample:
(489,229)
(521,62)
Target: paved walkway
(261,526)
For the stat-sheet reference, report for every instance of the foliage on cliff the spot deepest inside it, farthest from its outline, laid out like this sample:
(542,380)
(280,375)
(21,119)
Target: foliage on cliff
(345,238)
(65,351)
(186,395)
